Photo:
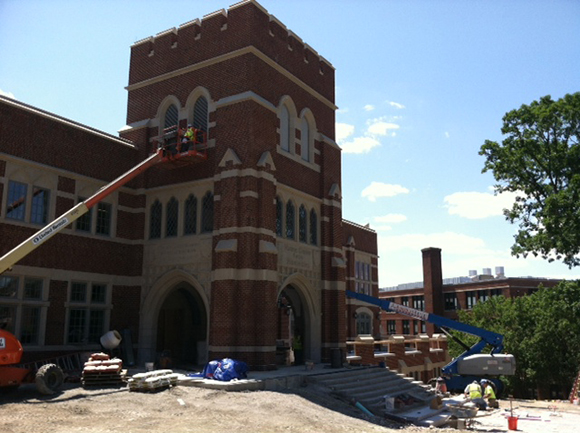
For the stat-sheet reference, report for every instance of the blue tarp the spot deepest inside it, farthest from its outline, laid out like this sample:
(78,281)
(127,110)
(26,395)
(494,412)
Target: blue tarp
(225,370)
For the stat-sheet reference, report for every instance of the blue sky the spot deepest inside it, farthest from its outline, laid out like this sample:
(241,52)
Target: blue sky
(420,85)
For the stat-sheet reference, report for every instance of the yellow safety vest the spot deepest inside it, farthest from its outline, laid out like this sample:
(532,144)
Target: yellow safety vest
(189,134)
(474,391)
(489,393)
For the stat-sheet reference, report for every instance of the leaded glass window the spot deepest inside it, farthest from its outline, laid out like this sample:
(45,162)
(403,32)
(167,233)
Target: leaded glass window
(171,218)
(290,212)
(16,203)
(200,114)
(313,228)
(155,220)
(279,206)
(39,213)
(190,217)
(302,224)
(104,214)
(207,213)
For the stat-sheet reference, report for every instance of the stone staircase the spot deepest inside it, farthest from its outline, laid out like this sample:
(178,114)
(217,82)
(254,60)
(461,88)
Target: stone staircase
(384,393)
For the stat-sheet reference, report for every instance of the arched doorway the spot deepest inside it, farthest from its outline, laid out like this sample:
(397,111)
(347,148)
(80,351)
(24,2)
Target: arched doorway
(182,328)
(297,318)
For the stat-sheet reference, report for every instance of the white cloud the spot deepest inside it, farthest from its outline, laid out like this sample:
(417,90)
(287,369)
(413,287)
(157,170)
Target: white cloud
(446,134)
(7,94)
(360,145)
(343,131)
(391,218)
(478,205)
(381,128)
(379,189)
(450,242)
(396,105)
(369,107)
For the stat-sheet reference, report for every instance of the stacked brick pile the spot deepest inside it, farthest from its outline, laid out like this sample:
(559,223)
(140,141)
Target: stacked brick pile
(100,369)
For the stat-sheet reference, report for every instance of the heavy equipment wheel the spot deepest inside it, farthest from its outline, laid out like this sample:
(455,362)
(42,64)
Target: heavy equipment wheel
(49,379)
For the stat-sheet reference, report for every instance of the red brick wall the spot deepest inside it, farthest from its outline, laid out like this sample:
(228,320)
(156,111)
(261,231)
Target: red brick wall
(56,317)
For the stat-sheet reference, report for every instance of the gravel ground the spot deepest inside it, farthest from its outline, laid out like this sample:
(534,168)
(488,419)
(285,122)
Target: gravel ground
(192,409)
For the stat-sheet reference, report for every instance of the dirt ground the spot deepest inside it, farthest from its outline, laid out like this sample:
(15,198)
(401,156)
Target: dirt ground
(192,409)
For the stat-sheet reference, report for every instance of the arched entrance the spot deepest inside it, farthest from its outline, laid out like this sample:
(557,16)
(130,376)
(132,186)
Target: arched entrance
(181,327)
(176,291)
(297,320)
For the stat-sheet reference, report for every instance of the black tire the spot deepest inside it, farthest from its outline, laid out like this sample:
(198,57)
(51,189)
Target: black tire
(49,379)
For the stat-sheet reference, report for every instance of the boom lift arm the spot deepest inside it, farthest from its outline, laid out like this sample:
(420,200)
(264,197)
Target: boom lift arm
(41,236)
(472,361)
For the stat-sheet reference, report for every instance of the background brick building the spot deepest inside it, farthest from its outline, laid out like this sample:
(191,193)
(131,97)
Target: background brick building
(232,256)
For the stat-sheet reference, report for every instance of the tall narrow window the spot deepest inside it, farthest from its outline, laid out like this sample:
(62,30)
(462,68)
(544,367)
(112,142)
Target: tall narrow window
(16,204)
(290,220)
(190,217)
(155,220)
(171,116)
(171,218)
(284,128)
(104,213)
(279,207)
(302,224)
(39,213)
(207,213)
(83,223)
(313,228)
(305,139)
(200,114)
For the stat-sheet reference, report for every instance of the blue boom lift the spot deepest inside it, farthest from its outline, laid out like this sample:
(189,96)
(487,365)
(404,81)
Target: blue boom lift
(470,365)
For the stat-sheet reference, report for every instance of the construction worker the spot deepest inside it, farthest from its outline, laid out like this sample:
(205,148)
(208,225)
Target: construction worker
(473,392)
(489,393)
(188,137)
(297,349)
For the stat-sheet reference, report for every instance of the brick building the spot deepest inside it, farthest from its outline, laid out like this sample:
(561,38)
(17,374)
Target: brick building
(446,297)
(231,256)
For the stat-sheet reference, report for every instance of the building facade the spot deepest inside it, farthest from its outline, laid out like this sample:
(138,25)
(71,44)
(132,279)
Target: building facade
(234,256)
(447,299)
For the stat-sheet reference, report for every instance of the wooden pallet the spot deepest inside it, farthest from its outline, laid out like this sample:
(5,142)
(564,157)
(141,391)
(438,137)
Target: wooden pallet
(103,378)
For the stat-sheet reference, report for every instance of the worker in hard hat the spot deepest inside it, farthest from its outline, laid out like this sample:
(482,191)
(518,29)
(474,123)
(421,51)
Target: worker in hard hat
(473,393)
(489,393)
(188,137)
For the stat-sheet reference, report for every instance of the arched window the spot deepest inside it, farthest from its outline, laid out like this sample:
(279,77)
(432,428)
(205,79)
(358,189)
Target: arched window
(207,213)
(305,139)
(290,212)
(171,221)
(313,228)
(200,114)
(285,128)
(155,220)
(279,207)
(171,116)
(302,224)
(190,217)
(363,324)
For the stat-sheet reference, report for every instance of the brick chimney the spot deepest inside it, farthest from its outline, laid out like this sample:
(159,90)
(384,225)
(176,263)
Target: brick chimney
(433,284)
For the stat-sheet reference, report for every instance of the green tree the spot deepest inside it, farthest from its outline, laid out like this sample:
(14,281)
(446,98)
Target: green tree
(541,330)
(539,161)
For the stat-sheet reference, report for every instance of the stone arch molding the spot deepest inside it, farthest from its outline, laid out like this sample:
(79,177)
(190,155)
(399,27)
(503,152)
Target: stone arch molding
(152,305)
(312,308)
(301,283)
